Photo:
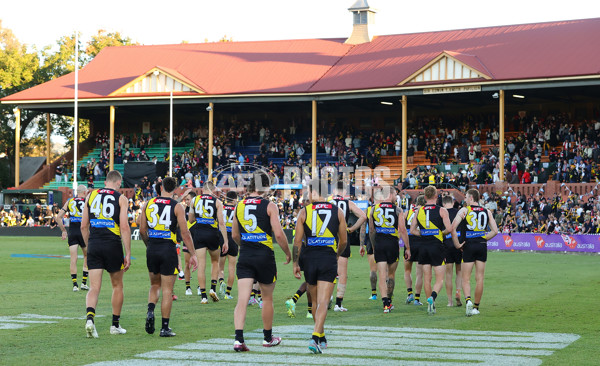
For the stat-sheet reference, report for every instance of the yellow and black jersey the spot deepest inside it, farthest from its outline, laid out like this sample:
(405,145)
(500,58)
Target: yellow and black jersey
(205,210)
(430,223)
(75,208)
(138,193)
(104,210)
(189,224)
(321,226)
(410,214)
(228,211)
(162,222)
(452,212)
(342,204)
(254,223)
(476,224)
(385,220)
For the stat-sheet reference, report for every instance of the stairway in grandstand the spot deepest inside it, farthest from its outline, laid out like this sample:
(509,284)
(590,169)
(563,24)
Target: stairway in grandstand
(153,150)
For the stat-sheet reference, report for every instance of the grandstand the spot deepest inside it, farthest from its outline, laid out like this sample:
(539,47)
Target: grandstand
(363,83)
(156,150)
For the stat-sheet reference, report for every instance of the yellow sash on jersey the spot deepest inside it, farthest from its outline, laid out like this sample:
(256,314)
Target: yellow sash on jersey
(74,213)
(97,209)
(428,228)
(156,227)
(321,236)
(250,231)
(476,222)
(202,215)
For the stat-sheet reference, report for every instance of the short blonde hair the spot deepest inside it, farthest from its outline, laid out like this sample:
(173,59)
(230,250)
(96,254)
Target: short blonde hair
(430,192)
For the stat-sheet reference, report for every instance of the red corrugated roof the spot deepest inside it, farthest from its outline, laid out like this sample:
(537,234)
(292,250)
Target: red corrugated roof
(542,50)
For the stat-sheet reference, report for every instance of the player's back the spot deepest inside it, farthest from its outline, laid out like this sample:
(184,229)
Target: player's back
(104,209)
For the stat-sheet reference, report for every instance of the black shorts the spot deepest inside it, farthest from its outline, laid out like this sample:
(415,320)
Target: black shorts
(105,254)
(210,239)
(414,251)
(386,250)
(432,254)
(184,248)
(319,266)
(76,239)
(346,253)
(368,245)
(233,247)
(162,258)
(473,252)
(257,264)
(453,255)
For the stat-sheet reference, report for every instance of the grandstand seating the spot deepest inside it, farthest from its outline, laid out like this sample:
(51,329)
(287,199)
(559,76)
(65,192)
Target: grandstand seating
(154,150)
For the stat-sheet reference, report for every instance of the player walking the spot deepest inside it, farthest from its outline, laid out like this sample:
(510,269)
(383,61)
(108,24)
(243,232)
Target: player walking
(158,229)
(477,219)
(324,226)
(347,207)
(74,206)
(255,223)
(105,230)
(207,211)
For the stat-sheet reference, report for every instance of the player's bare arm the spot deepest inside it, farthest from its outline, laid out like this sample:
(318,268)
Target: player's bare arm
(403,233)
(273,213)
(462,213)
(235,229)
(493,227)
(186,236)
(298,241)
(85,222)
(342,233)
(59,220)
(360,214)
(222,228)
(414,225)
(125,231)
(446,220)
(363,236)
(372,231)
(142,222)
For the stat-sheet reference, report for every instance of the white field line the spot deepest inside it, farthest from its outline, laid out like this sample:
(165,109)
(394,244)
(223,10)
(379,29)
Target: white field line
(566,337)
(373,345)
(539,338)
(296,359)
(391,353)
(440,342)
(143,362)
(12,326)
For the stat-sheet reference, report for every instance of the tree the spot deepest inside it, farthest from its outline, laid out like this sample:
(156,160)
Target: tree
(103,39)
(22,68)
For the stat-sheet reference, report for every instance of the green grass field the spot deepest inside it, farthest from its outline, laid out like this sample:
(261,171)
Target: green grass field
(524,292)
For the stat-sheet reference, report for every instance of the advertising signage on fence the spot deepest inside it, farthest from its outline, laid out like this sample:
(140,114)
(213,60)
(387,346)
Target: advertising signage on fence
(452,89)
(546,242)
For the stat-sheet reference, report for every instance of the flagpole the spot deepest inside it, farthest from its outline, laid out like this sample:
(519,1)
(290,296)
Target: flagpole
(171,136)
(76,115)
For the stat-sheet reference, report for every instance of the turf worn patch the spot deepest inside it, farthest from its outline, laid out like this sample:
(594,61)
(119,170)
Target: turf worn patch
(356,345)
